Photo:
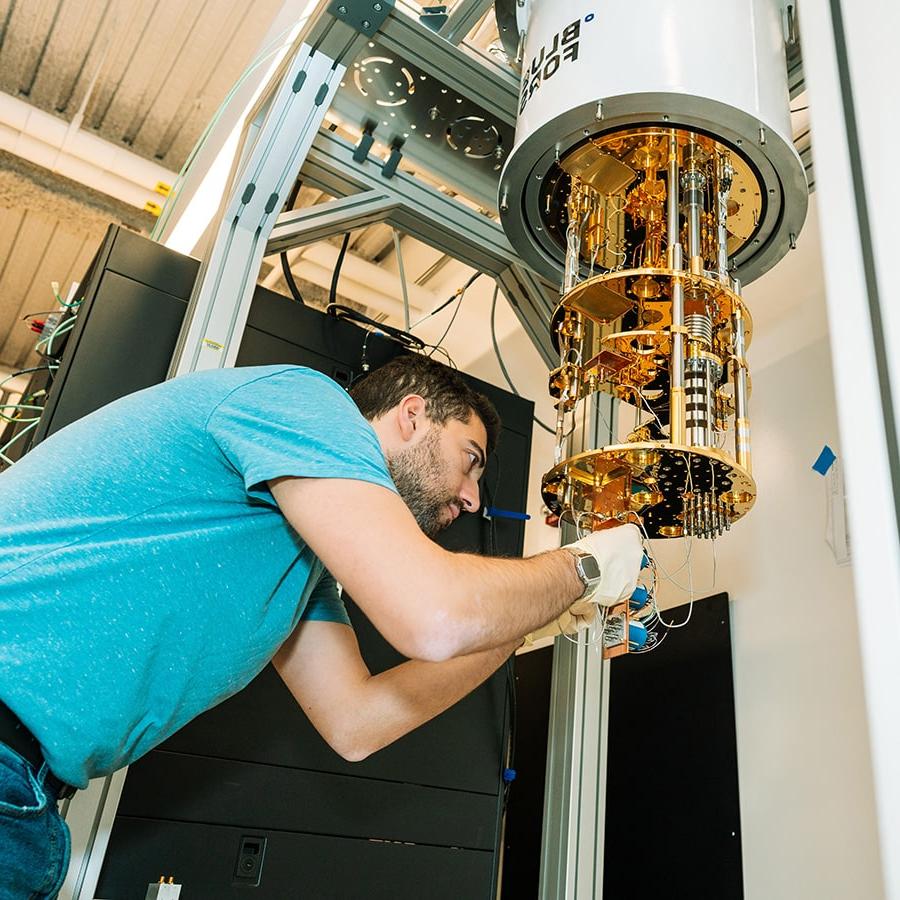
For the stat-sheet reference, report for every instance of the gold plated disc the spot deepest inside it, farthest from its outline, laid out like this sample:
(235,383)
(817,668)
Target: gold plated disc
(674,489)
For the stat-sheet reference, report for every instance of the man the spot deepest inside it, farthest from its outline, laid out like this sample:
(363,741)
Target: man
(155,555)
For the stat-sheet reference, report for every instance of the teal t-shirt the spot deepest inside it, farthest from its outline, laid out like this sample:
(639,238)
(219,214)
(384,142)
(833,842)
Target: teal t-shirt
(146,573)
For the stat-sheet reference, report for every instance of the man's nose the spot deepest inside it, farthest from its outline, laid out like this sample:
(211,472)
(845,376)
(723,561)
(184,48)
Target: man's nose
(470,495)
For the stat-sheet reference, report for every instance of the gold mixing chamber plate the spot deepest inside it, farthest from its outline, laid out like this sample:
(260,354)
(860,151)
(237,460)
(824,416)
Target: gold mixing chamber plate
(604,298)
(649,479)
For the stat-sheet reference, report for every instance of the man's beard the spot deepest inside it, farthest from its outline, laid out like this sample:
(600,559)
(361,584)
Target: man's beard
(419,474)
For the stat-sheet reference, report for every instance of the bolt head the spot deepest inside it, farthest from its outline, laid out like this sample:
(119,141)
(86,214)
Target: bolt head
(366,23)
(342,10)
(377,7)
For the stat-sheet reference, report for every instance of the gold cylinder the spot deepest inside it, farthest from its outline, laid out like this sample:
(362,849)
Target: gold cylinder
(742,444)
(676,416)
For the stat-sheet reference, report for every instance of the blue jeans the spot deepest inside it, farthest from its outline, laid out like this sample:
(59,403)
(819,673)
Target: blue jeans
(34,840)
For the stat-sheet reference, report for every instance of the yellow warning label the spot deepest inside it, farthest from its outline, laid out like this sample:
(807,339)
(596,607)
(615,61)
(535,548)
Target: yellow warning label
(213,345)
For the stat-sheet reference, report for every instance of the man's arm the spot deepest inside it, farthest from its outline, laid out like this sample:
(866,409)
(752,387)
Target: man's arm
(358,713)
(428,603)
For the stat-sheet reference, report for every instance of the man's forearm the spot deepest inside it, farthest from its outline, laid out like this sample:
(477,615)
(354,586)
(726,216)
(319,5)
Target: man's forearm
(397,701)
(489,602)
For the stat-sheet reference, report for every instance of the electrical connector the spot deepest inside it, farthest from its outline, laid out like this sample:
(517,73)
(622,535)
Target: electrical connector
(164,890)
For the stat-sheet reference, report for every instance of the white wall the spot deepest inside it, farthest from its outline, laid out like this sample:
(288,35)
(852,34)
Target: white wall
(807,802)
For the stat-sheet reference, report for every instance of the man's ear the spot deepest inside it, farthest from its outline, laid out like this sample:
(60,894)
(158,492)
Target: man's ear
(411,416)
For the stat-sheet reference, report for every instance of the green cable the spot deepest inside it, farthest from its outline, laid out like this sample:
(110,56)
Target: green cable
(168,206)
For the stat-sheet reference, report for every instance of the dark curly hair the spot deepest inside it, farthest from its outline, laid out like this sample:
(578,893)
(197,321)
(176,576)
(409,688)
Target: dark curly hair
(446,394)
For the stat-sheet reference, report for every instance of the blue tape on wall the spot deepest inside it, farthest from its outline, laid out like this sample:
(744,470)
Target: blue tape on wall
(825,461)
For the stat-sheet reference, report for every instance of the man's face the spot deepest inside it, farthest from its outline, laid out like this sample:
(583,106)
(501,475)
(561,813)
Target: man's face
(437,476)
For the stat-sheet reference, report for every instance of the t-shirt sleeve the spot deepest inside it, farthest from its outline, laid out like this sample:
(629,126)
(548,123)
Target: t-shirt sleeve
(325,604)
(295,423)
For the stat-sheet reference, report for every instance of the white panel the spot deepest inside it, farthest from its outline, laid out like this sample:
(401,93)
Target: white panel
(733,55)
(858,266)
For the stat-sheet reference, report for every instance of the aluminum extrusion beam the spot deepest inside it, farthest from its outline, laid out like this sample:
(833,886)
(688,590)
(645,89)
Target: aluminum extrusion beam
(575,797)
(322,221)
(277,138)
(463,18)
(433,217)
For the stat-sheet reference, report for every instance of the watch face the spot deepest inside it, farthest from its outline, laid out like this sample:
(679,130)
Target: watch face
(590,568)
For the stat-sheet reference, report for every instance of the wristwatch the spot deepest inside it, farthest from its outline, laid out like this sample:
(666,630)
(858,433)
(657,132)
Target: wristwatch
(588,570)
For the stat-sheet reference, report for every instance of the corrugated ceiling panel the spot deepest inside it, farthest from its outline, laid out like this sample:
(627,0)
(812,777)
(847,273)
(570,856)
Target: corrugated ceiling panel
(153,72)
(27,252)
(74,51)
(25,41)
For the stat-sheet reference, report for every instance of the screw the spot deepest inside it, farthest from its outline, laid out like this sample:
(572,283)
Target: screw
(498,153)
(792,238)
(599,114)
(504,202)
(342,10)
(762,137)
(433,113)
(366,24)
(377,7)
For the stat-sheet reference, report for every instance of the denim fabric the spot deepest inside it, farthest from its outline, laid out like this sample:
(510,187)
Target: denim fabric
(34,840)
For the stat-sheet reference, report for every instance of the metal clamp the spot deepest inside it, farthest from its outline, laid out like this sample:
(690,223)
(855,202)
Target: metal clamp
(364,16)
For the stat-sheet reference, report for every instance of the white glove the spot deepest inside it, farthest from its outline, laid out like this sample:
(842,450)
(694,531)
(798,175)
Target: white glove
(619,553)
(580,615)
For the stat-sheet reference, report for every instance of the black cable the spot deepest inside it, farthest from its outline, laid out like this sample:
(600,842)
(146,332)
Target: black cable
(285,264)
(332,294)
(437,344)
(410,341)
(289,278)
(450,299)
(512,387)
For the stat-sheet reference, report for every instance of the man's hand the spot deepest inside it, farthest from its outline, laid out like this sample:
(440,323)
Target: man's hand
(581,614)
(618,552)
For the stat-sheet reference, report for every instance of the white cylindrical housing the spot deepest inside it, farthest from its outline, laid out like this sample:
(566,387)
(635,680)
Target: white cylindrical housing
(716,68)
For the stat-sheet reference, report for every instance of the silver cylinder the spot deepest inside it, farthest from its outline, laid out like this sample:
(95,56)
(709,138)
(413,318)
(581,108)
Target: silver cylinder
(725,176)
(693,184)
(698,413)
(742,452)
(676,263)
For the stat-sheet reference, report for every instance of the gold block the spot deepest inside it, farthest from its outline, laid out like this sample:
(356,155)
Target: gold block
(599,170)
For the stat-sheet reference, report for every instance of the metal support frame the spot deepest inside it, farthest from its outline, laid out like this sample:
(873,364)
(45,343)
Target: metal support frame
(260,183)
(412,207)
(464,16)
(574,796)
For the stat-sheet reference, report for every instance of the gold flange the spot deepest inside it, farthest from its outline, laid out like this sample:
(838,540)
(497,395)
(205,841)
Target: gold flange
(662,482)
(604,298)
